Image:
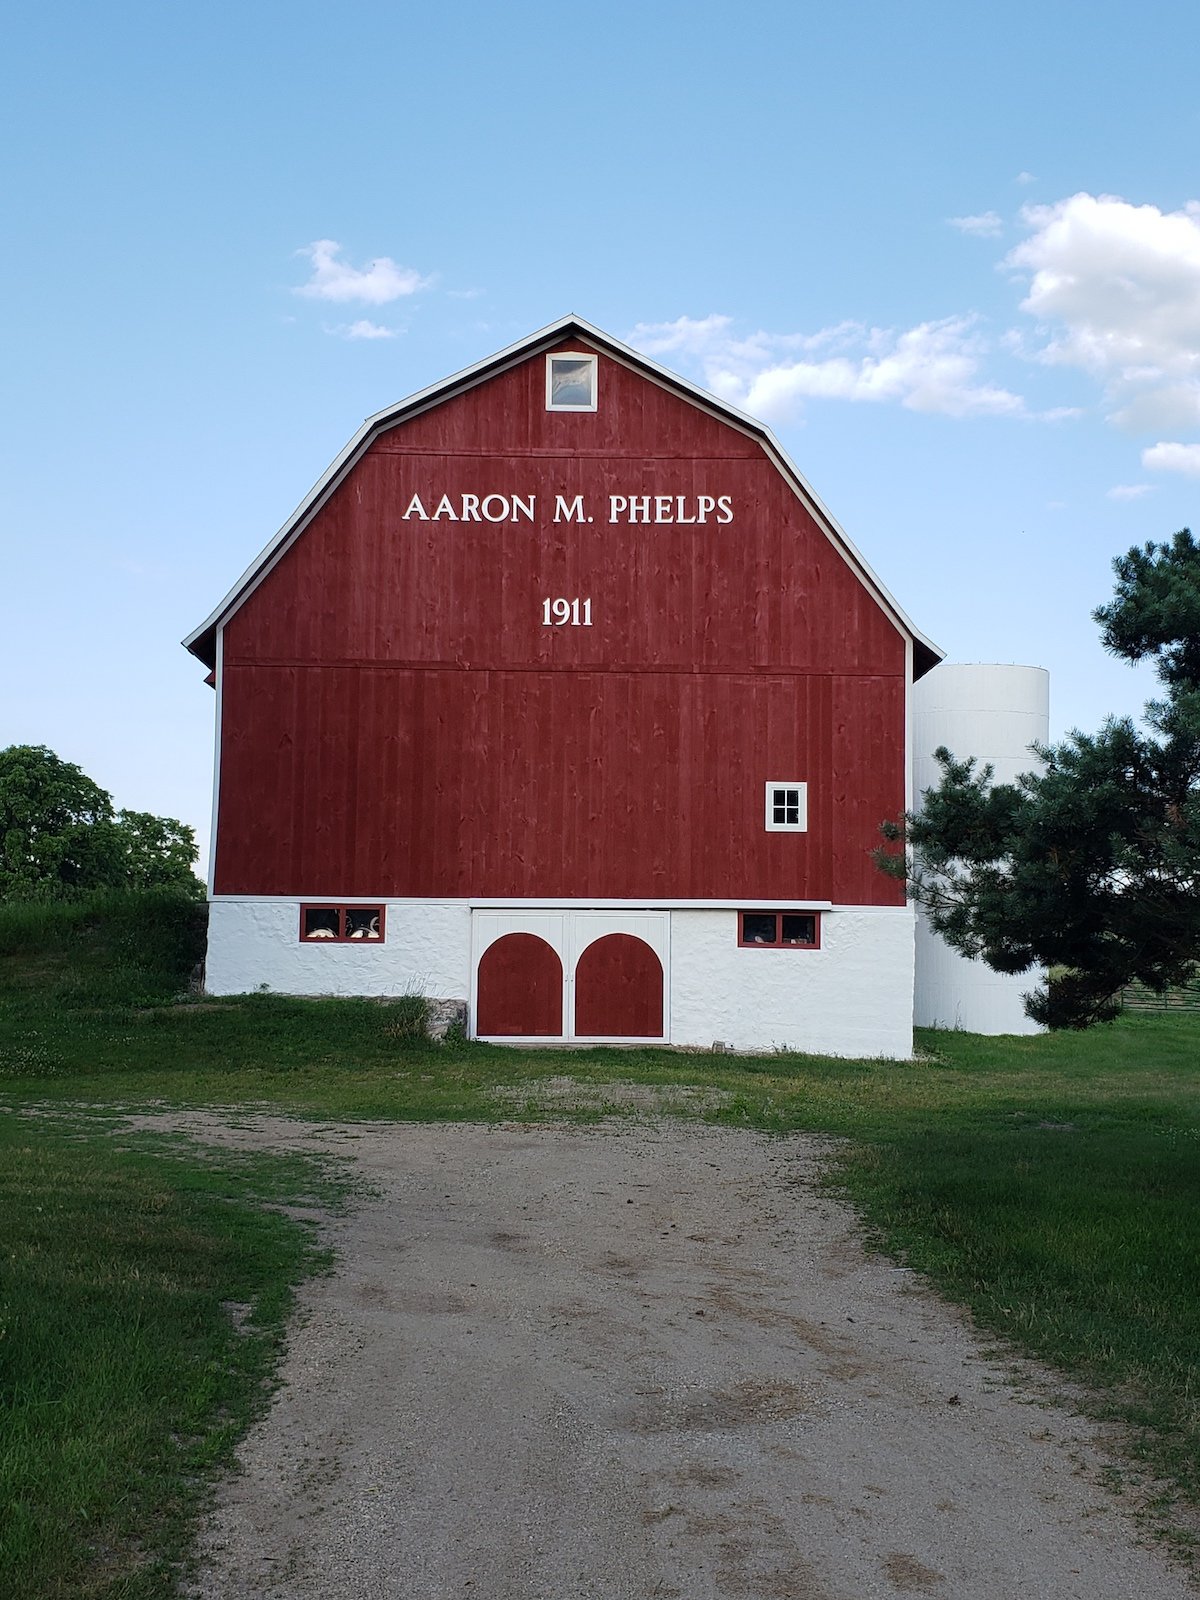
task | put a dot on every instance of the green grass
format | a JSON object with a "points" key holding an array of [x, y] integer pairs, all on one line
{"points": [[1050, 1184], [1070, 1228], [142, 1306]]}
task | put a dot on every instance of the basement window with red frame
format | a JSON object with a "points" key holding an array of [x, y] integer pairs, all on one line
{"points": [[331, 924], [779, 930]]}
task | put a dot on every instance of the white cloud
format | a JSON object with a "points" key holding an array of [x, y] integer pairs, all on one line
{"points": [[696, 335], [1024, 178], [1164, 457], [932, 367], [1129, 491], [363, 329], [1110, 289], [1116, 290], [1154, 410], [708, 338], [376, 284], [988, 225]]}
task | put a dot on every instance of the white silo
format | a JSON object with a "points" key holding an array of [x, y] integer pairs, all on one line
{"points": [[993, 713]]}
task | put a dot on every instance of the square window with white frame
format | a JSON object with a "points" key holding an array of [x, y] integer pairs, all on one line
{"points": [[571, 381], [787, 807]]}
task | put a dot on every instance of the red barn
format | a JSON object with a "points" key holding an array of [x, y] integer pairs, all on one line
{"points": [[563, 695]]}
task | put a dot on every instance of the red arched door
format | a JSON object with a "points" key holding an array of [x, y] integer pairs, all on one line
{"points": [[520, 989], [619, 990]]}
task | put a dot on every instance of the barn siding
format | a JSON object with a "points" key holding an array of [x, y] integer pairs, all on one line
{"points": [[765, 591], [397, 720], [574, 785]]}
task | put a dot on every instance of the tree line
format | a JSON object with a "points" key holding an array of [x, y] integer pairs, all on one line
{"points": [[61, 837]]}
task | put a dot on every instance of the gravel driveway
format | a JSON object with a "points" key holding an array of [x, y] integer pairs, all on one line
{"points": [[633, 1360]]}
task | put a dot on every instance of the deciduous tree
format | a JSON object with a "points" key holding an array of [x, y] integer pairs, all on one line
{"points": [[60, 837]]}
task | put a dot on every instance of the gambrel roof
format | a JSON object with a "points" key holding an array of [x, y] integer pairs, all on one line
{"points": [[202, 642]]}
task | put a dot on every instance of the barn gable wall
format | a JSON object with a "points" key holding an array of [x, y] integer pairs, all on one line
{"points": [[398, 720]]}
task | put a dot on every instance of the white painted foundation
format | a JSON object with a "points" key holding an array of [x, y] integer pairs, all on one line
{"points": [[255, 944], [851, 997]]}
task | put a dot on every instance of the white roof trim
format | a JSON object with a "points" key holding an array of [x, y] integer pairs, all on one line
{"points": [[423, 399], [534, 903]]}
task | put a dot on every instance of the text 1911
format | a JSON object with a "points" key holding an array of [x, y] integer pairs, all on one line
{"points": [[567, 613]]}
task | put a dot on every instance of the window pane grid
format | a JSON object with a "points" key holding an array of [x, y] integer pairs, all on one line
{"points": [[787, 807]]}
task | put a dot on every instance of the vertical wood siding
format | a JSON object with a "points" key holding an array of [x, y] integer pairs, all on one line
{"points": [[398, 721]]}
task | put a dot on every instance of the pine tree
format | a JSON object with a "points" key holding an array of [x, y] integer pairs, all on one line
{"points": [[1092, 866]]}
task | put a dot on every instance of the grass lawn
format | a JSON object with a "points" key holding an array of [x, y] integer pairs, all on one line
{"points": [[1050, 1184], [142, 1308]]}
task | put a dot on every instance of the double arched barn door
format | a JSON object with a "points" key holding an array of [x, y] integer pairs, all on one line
{"points": [[570, 975]]}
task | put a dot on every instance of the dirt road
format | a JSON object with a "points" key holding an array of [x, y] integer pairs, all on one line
{"points": [[641, 1360]]}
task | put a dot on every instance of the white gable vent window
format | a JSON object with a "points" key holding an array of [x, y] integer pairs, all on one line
{"points": [[571, 382], [787, 807]]}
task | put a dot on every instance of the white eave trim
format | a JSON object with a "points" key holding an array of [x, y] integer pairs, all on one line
{"points": [[500, 362], [539, 903]]}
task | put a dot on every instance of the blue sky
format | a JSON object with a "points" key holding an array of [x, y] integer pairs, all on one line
{"points": [[951, 254]]}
